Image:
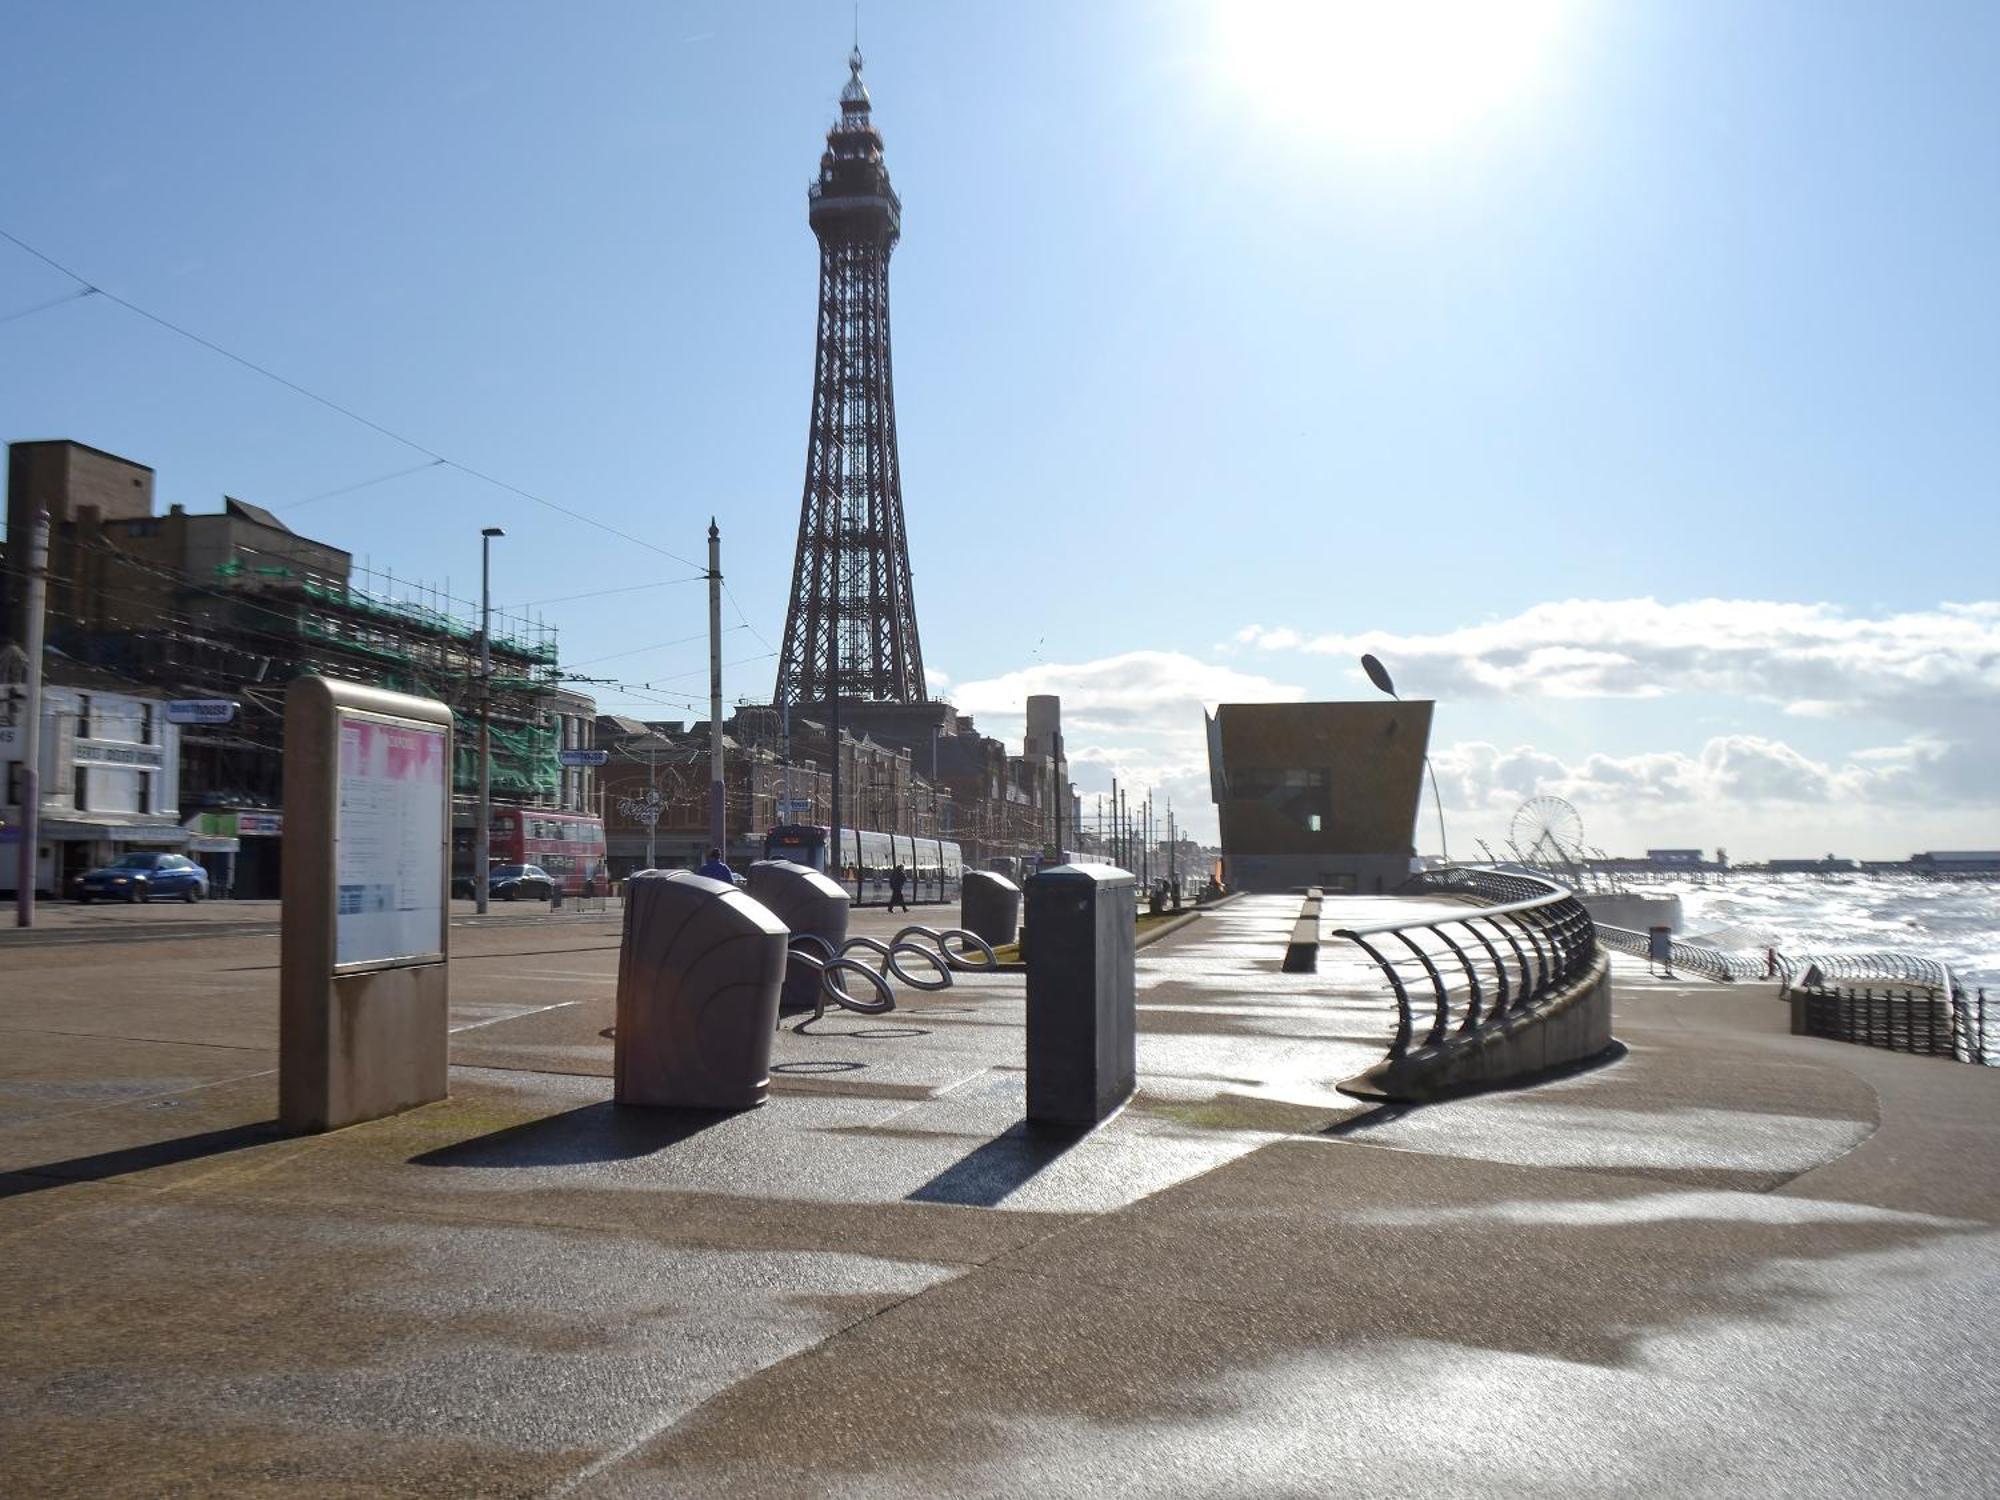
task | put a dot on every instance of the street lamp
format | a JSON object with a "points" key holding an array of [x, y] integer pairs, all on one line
{"points": [[1379, 675], [482, 837]]}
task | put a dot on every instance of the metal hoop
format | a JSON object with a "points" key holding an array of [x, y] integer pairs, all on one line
{"points": [[930, 984], [960, 959]]}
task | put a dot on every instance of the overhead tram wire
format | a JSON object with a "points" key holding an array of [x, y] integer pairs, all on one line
{"points": [[591, 661], [40, 307], [629, 588], [345, 411], [740, 615], [348, 489]]}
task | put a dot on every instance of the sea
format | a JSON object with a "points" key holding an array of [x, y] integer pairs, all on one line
{"points": [[1954, 922]]}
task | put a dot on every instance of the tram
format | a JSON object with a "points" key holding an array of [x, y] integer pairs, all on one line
{"points": [[933, 867]]}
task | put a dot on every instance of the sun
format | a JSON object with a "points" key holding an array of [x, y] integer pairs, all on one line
{"points": [[1386, 74]]}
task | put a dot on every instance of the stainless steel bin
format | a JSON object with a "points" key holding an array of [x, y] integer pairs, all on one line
{"points": [[698, 978], [810, 905], [989, 905]]}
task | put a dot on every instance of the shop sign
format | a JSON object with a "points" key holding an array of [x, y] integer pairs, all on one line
{"points": [[201, 711], [118, 753]]}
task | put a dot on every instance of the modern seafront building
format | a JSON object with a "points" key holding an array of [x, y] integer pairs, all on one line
{"points": [[1321, 794], [144, 608]]}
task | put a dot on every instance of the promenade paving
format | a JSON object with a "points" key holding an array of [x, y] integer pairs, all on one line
{"points": [[1732, 1260]]}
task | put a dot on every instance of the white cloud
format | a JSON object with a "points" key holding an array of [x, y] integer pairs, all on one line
{"points": [[1136, 716], [1137, 687], [1737, 787], [1936, 669]]}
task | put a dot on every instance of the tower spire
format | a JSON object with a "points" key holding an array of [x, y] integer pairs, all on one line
{"points": [[851, 630]]}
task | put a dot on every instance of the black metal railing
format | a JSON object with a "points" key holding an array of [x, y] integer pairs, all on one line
{"points": [[1691, 958], [1526, 939], [1929, 1022], [1850, 996]]}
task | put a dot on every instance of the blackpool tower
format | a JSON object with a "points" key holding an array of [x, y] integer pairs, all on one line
{"points": [[851, 629]]}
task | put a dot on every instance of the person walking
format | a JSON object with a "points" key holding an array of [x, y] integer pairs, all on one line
{"points": [[717, 868], [897, 879]]}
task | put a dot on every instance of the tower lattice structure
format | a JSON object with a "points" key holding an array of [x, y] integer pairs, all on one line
{"points": [[851, 629]]}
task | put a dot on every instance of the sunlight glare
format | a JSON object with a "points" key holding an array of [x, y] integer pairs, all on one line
{"points": [[1385, 74]]}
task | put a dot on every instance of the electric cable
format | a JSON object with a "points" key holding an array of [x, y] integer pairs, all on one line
{"points": [[345, 411]]}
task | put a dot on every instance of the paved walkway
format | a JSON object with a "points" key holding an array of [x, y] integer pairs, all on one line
{"points": [[1734, 1261]]}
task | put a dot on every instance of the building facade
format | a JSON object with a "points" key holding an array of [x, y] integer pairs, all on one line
{"points": [[1321, 794], [233, 605], [109, 772]]}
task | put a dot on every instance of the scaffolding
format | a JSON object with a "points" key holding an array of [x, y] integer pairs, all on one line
{"points": [[256, 621]]}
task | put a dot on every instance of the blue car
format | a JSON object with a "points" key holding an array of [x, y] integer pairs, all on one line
{"points": [[140, 877]]}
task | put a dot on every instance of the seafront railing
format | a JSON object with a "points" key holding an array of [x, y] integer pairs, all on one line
{"points": [[1881, 999], [1692, 958], [1529, 938]]}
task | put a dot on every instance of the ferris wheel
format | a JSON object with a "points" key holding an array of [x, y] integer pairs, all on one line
{"points": [[1546, 829]]}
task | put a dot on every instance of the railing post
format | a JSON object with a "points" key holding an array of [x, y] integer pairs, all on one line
{"points": [[1437, 986], [1499, 967], [1401, 1044]]}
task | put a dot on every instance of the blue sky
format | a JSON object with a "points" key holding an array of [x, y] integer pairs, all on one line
{"points": [[1207, 374]]}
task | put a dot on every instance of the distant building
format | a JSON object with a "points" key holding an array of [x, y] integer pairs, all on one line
{"points": [[110, 771], [1675, 857], [1957, 862], [234, 604], [1319, 794]]}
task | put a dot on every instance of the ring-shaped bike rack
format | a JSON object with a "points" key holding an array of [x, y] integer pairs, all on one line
{"points": [[950, 951]]}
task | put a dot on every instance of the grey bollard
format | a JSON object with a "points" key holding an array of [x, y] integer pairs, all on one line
{"points": [[1082, 1061], [809, 904], [698, 978], [989, 906]]}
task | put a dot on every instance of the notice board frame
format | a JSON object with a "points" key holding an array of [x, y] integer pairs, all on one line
{"points": [[343, 715]]}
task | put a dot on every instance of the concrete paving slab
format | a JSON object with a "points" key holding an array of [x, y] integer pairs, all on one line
{"points": [[44, 1075], [1274, 1328], [454, 1348]]}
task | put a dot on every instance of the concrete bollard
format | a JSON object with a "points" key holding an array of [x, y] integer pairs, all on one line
{"points": [[698, 979], [1082, 1059], [989, 906], [810, 905]]}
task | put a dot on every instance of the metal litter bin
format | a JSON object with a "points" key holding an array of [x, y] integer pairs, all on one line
{"points": [[698, 977], [989, 905], [810, 905], [1082, 1049]]}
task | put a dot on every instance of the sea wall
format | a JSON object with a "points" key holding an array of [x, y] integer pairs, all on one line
{"points": [[1570, 1026]]}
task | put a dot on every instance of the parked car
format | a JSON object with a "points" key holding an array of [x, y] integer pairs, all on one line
{"points": [[520, 883], [140, 877]]}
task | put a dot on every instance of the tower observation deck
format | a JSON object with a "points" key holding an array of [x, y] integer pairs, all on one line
{"points": [[851, 628]]}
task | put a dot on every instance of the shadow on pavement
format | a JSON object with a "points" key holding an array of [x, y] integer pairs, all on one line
{"points": [[129, 1159], [998, 1168], [591, 1133]]}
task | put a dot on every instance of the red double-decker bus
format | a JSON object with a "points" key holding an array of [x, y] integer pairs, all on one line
{"points": [[570, 846]]}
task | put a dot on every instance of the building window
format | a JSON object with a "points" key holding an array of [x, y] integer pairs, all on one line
{"points": [[83, 717], [146, 724], [145, 792], [77, 785]]}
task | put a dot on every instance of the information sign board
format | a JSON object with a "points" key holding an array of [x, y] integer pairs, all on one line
{"points": [[389, 842], [201, 710], [583, 757]]}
